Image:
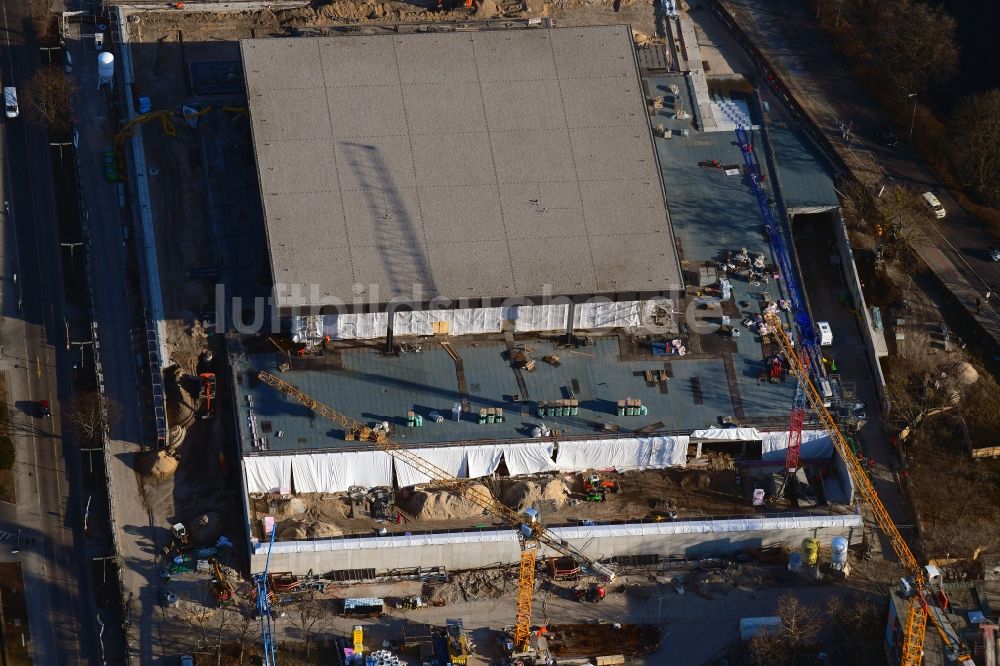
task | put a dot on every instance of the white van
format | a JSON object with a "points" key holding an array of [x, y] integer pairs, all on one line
{"points": [[10, 102], [825, 333], [931, 201]]}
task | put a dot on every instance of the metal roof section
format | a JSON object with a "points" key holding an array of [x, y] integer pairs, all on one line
{"points": [[476, 164], [806, 176]]}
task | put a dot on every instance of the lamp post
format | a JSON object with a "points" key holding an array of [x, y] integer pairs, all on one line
{"points": [[913, 117]]}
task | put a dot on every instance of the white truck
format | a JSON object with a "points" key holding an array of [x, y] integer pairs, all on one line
{"points": [[10, 102]]}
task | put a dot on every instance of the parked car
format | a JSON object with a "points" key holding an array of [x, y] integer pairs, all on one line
{"points": [[994, 254], [825, 333], [187, 660], [932, 203]]}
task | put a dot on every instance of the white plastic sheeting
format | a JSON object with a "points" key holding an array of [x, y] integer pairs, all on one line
{"points": [[815, 444], [538, 317], [450, 459], [603, 314], [551, 317], [669, 451], [317, 472], [727, 435], [622, 454], [483, 460], [361, 326], [268, 474], [528, 458]]}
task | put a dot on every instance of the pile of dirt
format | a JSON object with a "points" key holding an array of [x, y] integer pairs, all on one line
{"points": [[185, 345], [472, 585], [301, 529], [442, 505], [158, 465], [698, 480], [521, 495], [720, 462]]}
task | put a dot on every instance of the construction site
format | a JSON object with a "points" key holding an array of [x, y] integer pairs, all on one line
{"points": [[514, 295]]}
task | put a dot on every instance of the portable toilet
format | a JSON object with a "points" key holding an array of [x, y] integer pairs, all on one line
{"points": [[810, 551]]}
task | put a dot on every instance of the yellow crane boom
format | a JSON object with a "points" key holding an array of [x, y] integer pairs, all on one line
{"points": [[530, 531], [916, 618]]}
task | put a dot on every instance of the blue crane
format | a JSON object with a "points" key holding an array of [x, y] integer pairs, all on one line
{"points": [[807, 330], [264, 607]]}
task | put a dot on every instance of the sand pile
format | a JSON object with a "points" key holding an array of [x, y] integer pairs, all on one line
{"points": [[300, 529], [521, 495], [443, 505], [160, 466]]}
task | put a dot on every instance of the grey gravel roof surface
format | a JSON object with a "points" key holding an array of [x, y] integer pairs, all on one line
{"points": [[477, 164]]}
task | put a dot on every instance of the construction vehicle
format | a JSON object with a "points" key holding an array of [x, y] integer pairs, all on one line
{"points": [[923, 585], [593, 593], [223, 589], [458, 642], [180, 541], [531, 533], [593, 483], [207, 395]]}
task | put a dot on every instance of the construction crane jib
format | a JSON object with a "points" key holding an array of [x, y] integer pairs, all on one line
{"points": [[530, 531], [923, 603]]}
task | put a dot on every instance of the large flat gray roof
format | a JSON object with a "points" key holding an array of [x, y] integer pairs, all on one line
{"points": [[477, 164]]}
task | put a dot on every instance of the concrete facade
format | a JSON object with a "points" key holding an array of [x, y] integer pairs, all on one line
{"points": [[469, 550]]}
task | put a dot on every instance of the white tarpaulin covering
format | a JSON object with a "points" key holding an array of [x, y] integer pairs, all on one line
{"points": [[268, 474], [622, 454], [727, 435], [450, 459], [361, 326], [815, 444], [483, 460], [669, 451], [538, 317], [552, 317], [602, 314], [528, 458], [336, 472]]}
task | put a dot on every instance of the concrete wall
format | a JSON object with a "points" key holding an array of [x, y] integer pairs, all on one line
{"points": [[853, 283], [467, 550]]}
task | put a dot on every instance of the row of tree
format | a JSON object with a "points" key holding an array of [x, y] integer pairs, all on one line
{"points": [[914, 45]]}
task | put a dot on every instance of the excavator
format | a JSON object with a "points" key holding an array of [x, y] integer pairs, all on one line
{"points": [[922, 585], [531, 532]]}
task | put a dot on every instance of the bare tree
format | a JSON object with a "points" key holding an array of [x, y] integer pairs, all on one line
{"points": [[245, 632], [88, 413], [858, 627], [44, 22], [915, 43], [310, 618], [975, 131], [47, 98], [795, 635]]}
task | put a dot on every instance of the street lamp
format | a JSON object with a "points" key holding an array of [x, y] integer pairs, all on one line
{"points": [[913, 118]]}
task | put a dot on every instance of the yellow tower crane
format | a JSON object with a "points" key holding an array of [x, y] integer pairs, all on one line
{"points": [[923, 601], [531, 532]]}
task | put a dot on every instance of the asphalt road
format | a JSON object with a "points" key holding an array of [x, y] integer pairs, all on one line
{"points": [[48, 511], [787, 33]]}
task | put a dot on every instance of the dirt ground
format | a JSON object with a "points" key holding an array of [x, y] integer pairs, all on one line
{"points": [[15, 614], [691, 493], [956, 498]]}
